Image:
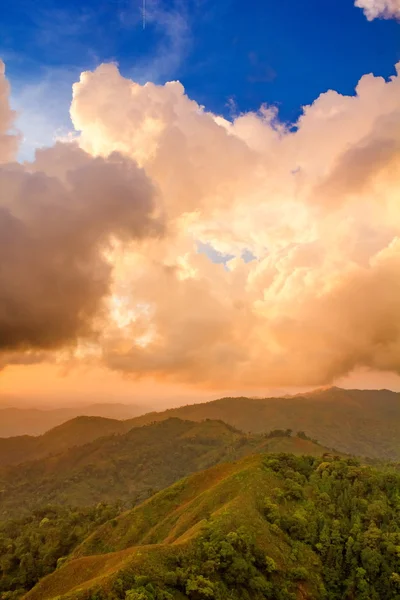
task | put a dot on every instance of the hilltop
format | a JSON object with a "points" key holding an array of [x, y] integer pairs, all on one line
{"points": [[131, 466], [274, 526], [16, 422], [76, 432], [360, 422]]}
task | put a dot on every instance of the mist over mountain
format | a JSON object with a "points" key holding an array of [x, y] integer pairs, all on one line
{"points": [[35, 421], [75, 432]]}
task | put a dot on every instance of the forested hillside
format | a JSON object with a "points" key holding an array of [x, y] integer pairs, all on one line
{"points": [[97, 521], [360, 422], [271, 527], [132, 466]]}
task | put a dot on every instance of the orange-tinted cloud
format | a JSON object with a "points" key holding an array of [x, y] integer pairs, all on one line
{"points": [[316, 206], [58, 216]]}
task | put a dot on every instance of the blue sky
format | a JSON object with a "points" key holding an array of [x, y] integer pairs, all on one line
{"points": [[231, 56]]}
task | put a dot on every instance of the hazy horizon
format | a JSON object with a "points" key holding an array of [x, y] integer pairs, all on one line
{"points": [[149, 401]]}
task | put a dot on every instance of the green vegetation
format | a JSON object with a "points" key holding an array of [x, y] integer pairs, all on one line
{"points": [[272, 516], [349, 515], [277, 527], [33, 547], [359, 422], [76, 432], [132, 466], [364, 423]]}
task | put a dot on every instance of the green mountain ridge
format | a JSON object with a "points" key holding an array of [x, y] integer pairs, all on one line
{"points": [[275, 527], [130, 466], [360, 422], [322, 526]]}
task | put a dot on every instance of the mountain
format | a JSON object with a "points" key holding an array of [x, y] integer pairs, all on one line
{"points": [[266, 527], [76, 432], [360, 422], [131, 466], [33, 421], [364, 423]]}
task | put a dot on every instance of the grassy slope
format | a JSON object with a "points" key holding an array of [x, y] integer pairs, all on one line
{"points": [[361, 422], [130, 466], [146, 538]]}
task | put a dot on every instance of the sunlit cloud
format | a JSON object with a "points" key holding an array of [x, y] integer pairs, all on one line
{"points": [[306, 218]]}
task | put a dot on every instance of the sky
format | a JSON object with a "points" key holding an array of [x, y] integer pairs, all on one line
{"points": [[230, 57], [198, 198]]}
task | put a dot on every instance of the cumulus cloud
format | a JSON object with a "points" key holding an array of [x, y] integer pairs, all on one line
{"points": [[59, 216], [315, 206], [380, 9]]}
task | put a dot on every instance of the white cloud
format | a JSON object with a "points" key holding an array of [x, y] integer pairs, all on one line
{"points": [[8, 139], [380, 9], [42, 103]]}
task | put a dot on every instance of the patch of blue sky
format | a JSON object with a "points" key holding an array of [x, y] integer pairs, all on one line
{"points": [[219, 257]]}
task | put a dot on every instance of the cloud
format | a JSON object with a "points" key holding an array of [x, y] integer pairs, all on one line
{"points": [[43, 98], [8, 139], [380, 9], [59, 215], [315, 206]]}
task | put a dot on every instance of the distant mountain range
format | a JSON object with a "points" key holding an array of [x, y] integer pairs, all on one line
{"points": [[34, 421], [360, 422], [76, 432]]}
